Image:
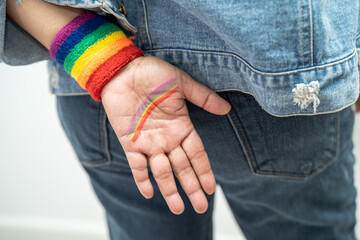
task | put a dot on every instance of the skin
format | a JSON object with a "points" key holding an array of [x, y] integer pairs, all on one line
{"points": [[152, 101], [169, 143]]}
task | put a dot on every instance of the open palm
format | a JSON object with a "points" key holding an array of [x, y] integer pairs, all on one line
{"points": [[145, 104]]}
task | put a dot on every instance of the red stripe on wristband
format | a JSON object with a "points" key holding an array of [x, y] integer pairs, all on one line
{"points": [[109, 68]]}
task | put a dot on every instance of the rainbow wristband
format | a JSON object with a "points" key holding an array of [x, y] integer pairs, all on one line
{"points": [[92, 50]]}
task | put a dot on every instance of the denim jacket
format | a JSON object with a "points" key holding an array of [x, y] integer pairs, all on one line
{"points": [[276, 50]]}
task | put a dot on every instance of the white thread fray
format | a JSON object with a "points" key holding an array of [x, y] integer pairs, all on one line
{"points": [[305, 94]]}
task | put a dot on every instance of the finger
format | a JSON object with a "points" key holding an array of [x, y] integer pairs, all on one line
{"points": [[188, 180], [199, 160], [203, 97], [163, 175], [138, 165]]}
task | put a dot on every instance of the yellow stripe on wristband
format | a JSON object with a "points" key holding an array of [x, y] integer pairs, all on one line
{"points": [[92, 49], [81, 62], [97, 58]]}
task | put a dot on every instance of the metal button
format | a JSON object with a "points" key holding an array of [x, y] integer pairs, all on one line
{"points": [[122, 9]]}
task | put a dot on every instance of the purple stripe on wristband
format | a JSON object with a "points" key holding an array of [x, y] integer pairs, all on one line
{"points": [[67, 30]]}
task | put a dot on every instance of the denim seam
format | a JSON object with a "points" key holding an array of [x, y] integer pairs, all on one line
{"points": [[288, 115], [311, 34], [302, 34], [233, 55], [107, 7], [294, 175], [241, 139], [147, 25], [103, 141], [315, 171], [104, 133]]}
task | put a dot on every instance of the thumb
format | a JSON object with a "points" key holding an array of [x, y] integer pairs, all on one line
{"points": [[203, 96]]}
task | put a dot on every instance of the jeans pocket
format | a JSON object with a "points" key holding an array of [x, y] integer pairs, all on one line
{"points": [[85, 124], [297, 147]]}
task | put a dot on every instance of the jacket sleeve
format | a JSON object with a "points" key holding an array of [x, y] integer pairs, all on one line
{"points": [[17, 47]]}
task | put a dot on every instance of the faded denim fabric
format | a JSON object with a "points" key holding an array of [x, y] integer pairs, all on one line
{"points": [[284, 178], [264, 48]]}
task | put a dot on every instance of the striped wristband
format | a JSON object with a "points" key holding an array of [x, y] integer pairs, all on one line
{"points": [[92, 50]]}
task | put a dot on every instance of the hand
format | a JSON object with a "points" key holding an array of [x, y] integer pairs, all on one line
{"points": [[162, 134]]}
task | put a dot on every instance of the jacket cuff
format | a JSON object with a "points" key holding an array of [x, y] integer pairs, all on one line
{"points": [[17, 47]]}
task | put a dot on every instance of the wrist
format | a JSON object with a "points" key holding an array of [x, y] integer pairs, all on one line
{"points": [[92, 50], [121, 76]]}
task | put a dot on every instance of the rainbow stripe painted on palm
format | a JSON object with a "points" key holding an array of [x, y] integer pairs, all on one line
{"points": [[157, 96]]}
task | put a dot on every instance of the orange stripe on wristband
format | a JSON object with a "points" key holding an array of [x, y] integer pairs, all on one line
{"points": [[90, 52], [99, 58]]}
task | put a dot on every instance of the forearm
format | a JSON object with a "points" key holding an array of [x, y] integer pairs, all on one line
{"points": [[91, 48], [40, 19]]}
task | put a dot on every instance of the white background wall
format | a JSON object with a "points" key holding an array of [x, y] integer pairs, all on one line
{"points": [[44, 193]]}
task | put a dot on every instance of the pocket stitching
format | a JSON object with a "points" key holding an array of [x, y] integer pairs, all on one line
{"points": [[103, 141], [104, 133], [241, 139], [258, 172]]}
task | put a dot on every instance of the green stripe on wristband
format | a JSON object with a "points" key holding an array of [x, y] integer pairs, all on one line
{"points": [[101, 33]]}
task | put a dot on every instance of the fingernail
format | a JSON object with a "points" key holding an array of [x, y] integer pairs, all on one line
{"points": [[176, 204]]}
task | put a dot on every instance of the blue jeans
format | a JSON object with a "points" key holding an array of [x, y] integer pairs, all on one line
{"points": [[284, 178]]}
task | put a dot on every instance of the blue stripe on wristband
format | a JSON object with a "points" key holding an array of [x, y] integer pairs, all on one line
{"points": [[78, 35]]}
